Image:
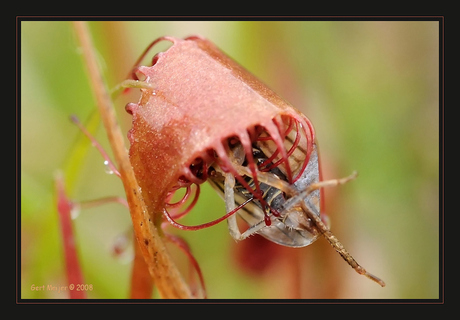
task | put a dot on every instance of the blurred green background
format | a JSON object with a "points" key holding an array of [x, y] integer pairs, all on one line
{"points": [[371, 89]]}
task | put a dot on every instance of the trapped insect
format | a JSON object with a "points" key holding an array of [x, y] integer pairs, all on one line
{"points": [[202, 117], [289, 228]]}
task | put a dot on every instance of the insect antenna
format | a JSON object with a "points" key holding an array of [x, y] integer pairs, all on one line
{"points": [[312, 213], [337, 245]]}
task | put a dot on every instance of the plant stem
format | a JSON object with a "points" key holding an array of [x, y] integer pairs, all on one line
{"points": [[141, 281], [72, 264], [162, 269]]}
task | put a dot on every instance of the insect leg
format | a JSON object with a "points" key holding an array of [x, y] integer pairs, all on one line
{"points": [[253, 229], [268, 178], [314, 186], [333, 182], [228, 164], [230, 206]]}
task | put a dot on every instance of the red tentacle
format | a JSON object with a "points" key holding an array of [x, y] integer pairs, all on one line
{"points": [[290, 152], [226, 165], [180, 202], [181, 244], [310, 140], [274, 129], [269, 161], [204, 225], [183, 200], [133, 74]]}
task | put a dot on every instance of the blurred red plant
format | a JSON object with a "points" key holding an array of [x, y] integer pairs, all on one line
{"points": [[72, 264]]}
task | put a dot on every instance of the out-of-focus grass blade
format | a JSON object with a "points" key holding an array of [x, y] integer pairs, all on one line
{"points": [[75, 160]]}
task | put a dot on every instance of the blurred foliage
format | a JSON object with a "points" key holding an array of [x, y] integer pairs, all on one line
{"points": [[370, 89]]}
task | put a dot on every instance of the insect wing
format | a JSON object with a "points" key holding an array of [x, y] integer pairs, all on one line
{"points": [[309, 176], [282, 230]]}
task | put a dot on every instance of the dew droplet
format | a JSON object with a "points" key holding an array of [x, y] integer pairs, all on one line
{"points": [[75, 211], [108, 170]]}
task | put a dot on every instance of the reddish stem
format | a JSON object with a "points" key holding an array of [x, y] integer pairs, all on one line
{"points": [[73, 270], [161, 267], [141, 280]]}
